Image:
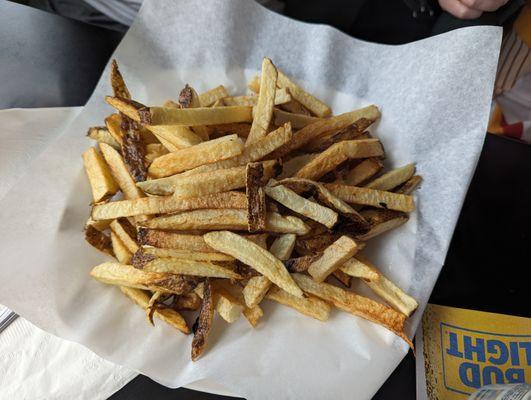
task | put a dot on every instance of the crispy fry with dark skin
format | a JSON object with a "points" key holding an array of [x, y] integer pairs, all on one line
{"points": [[99, 240], [256, 204], [350, 132], [117, 82], [203, 324], [301, 264], [134, 150], [140, 259]]}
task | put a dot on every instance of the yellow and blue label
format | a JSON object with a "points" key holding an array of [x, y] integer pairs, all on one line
{"points": [[465, 350]]}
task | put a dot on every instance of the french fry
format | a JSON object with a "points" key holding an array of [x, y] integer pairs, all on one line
{"points": [[300, 205], [188, 301], [297, 121], [187, 254], [351, 132], [409, 186], [188, 98], [112, 123], [313, 104], [194, 116], [121, 252], [338, 153], [209, 97], [194, 156], [319, 128], [372, 197], [263, 111], [282, 96], [208, 219], [173, 240], [343, 278], [120, 172], [133, 150], [119, 230], [100, 225], [226, 305], [358, 269], [175, 137], [119, 87], [254, 256], [387, 290], [362, 172], [333, 257], [295, 107], [154, 150], [190, 267], [301, 264], [98, 240], [392, 179], [256, 205], [204, 321], [99, 176], [355, 304], [252, 314], [381, 221], [126, 275], [283, 245], [254, 84], [102, 134], [170, 316], [293, 165], [240, 129], [309, 305]]}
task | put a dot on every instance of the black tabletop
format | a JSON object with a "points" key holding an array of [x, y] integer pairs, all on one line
{"points": [[58, 62]]}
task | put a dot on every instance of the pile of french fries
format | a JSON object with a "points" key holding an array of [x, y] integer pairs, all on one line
{"points": [[214, 203]]}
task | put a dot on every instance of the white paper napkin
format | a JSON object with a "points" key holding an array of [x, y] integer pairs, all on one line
{"points": [[435, 99]]}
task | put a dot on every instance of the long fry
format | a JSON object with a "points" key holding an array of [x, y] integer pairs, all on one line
{"points": [[393, 178], [190, 267], [333, 257], [372, 197], [120, 172], [102, 183]]}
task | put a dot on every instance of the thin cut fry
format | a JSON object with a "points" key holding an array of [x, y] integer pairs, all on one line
{"points": [[188, 98], [254, 190], [281, 97], [319, 128], [227, 306], [209, 97], [113, 125], [313, 104], [126, 275], [190, 267], [102, 134], [120, 172], [98, 240], [166, 205], [381, 221], [309, 305], [410, 186], [372, 197], [175, 137], [283, 245], [172, 240], [194, 116], [358, 269], [293, 165], [119, 230], [361, 172], [295, 107], [333, 257], [154, 150], [355, 304], [119, 87], [168, 315], [204, 322], [254, 256], [100, 179], [208, 219], [133, 150], [241, 129], [338, 153], [300, 205], [353, 131], [194, 156], [392, 179], [252, 314], [387, 290], [187, 254], [266, 100], [121, 252], [297, 121]]}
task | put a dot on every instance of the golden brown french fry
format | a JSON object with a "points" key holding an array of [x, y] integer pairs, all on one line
{"points": [[225, 219], [381, 221], [387, 290], [112, 123], [194, 156], [204, 321], [209, 97], [119, 230], [126, 275], [372, 197], [281, 97], [297, 121], [98, 240], [194, 116], [121, 252], [355, 304], [172, 240], [226, 305], [99, 225], [293, 165], [120, 172], [362, 172], [351, 132], [119, 87], [187, 254], [166, 205], [99, 176], [333, 257], [295, 107], [168, 315], [102, 134], [254, 256], [337, 154], [154, 150], [359, 269], [410, 186], [252, 314], [392, 179], [313, 104], [254, 191], [283, 245], [188, 98], [319, 128], [190, 267], [263, 111], [309, 305], [300, 205]]}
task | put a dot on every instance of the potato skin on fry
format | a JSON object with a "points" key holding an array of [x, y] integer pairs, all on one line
{"points": [[204, 322]]}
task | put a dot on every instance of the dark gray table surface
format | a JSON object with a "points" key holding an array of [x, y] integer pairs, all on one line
{"points": [[58, 62]]}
